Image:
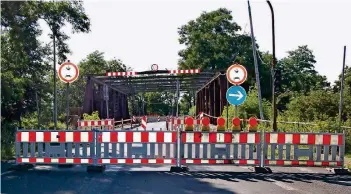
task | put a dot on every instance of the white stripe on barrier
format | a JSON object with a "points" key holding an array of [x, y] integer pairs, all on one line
{"points": [[136, 137], [152, 137], [106, 137], [251, 138], [84, 137], [121, 137], [69, 136], [54, 136], [303, 139], [334, 140], [167, 137], [288, 138]]}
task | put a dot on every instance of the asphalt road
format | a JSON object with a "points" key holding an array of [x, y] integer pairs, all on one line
{"points": [[158, 179]]}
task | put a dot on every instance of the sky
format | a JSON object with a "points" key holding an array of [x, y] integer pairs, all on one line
{"points": [[141, 33]]}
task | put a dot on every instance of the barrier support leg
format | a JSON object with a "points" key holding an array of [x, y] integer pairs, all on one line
{"points": [[262, 168], [179, 167], [96, 153], [342, 170]]}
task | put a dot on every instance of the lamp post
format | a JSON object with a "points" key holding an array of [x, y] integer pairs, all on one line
{"points": [[274, 62]]}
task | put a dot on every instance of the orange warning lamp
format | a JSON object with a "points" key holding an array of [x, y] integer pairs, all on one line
{"points": [[236, 124], [253, 123], [189, 124], [220, 124], [205, 124]]}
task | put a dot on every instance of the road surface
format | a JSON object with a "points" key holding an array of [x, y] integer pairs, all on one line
{"points": [[158, 179]]}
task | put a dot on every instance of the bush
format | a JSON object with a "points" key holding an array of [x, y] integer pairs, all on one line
{"points": [[93, 116]]}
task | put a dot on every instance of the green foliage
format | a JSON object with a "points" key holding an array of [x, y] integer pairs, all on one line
{"points": [[94, 116], [192, 111], [158, 102]]}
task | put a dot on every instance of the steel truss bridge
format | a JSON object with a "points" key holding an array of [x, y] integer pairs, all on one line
{"points": [[109, 93]]}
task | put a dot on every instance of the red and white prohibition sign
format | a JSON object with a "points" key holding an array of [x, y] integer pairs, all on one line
{"points": [[236, 74], [68, 72]]}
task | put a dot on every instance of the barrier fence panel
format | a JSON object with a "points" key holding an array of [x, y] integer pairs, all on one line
{"points": [[54, 147], [304, 149], [136, 147], [240, 148]]}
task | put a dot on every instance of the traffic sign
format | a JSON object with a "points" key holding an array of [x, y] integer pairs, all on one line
{"points": [[236, 95], [68, 72], [154, 67], [236, 74]]}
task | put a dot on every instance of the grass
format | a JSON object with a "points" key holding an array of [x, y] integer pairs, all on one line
{"points": [[348, 161]]}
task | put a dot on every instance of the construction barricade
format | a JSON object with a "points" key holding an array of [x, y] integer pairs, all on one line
{"points": [[106, 124], [134, 147], [54, 147], [220, 148], [181, 147], [304, 149]]}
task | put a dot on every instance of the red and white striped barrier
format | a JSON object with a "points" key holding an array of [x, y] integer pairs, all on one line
{"points": [[214, 137], [144, 122], [95, 123], [56, 160], [219, 161], [137, 137], [184, 71], [310, 139], [136, 161], [301, 163], [127, 73], [59, 136]]}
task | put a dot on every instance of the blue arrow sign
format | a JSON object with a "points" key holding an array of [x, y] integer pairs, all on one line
{"points": [[236, 95]]}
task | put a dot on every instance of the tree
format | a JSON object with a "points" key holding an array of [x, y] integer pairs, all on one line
{"points": [[25, 60], [297, 75], [213, 41]]}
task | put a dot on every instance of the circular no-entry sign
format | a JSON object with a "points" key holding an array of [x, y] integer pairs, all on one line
{"points": [[236, 74], [154, 67], [68, 72]]}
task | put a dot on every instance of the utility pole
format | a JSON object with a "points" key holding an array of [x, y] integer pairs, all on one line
{"points": [[274, 63], [342, 86], [55, 90], [256, 65]]}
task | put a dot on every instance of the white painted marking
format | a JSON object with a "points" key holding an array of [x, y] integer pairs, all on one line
{"points": [[305, 170], [283, 185], [8, 172]]}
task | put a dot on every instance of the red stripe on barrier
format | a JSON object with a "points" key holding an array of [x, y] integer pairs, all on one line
{"points": [[338, 163], [145, 161], [144, 137], [212, 161], [62, 160], [212, 138], [129, 137], [76, 137], [280, 162], [47, 136], [32, 136], [174, 137], [197, 137], [113, 137], [311, 139], [129, 161], [62, 137], [197, 161], [77, 160], [243, 138], [295, 163], [183, 137], [228, 138], [257, 138], [160, 137], [113, 161], [326, 139], [19, 136], [243, 162], [310, 163], [340, 139], [48, 160], [85, 123], [281, 138], [32, 160], [268, 138], [296, 139]]}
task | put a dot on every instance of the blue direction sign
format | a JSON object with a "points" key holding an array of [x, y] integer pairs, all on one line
{"points": [[236, 95]]}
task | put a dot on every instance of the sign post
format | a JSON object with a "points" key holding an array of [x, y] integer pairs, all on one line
{"points": [[68, 73]]}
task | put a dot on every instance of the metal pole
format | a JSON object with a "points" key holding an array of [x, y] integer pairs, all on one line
{"points": [[256, 66], [227, 108], [38, 111], [178, 128], [67, 105], [342, 87], [55, 92], [274, 62]]}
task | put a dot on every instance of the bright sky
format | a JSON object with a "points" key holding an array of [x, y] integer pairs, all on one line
{"points": [[141, 33]]}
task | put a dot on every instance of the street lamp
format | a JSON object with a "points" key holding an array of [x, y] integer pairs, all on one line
{"points": [[274, 62]]}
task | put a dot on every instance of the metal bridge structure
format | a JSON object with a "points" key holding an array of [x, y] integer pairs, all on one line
{"points": [[113, 94]]}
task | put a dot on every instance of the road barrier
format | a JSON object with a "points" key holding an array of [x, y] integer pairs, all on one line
{"points": [[96, 124], [181, 147]]}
